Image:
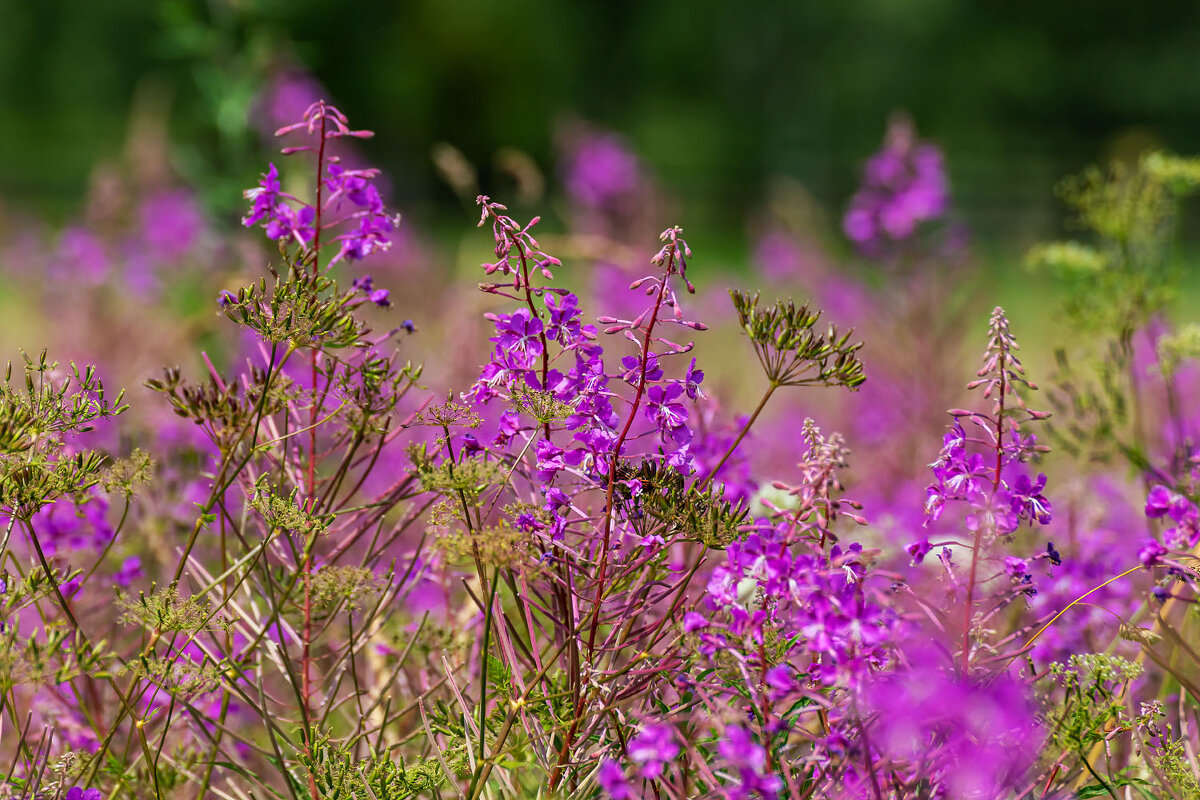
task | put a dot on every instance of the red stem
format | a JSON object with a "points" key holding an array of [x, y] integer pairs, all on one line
{"points": [[966, 638], [612, 462], [306, 653], [608, 511], [533, 310]]}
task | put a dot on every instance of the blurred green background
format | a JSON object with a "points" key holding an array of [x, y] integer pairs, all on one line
{"points": [[717, 97]]}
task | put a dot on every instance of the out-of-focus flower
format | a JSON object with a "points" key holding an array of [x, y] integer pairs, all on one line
{"points": [[79, 793], [967, 739], [1151, 553], [170, 224], [612, 780], [904, 185], [81, 255], [600, 170], [652, 749], [1162, 502], [130, 571]]}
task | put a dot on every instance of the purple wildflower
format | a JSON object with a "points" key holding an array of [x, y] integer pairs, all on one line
{"points": [[904, 185], [692, 381], [1161, 501], [1016, 568], [270, 206], [1151, 553], [79, 793], [380, 297], [1028, 500], [652, 749], [612, 780], [667, 413], [601, 171], [918, 550], [130, 571]]}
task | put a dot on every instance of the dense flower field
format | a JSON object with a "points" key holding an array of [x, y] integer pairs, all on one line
{"points": [[578, 525]]}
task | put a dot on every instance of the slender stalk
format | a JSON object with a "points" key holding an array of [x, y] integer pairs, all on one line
{"points": [[226, 477], [532, 310], [616, 455], [484, 768], [741, 434], [83, 639], [568, 740], [487, 631], [969, 606], [1068, 607], [311, 487]]}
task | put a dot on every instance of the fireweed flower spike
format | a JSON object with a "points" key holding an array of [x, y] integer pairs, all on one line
{"points": [[794, 624], [347, 203], [578, 430], [352, 384], [981, 465]]}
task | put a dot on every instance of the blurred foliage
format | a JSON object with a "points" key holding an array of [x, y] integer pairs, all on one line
{"points": [[717, 96]]}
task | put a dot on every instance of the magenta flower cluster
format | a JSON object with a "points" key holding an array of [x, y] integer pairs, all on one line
{"points": [[560, 355], [351, 209], [601, 171], [987, 486], [1183, 535], [904, 186]]}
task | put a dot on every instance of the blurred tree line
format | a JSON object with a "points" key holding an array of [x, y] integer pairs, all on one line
{"points": [[717, 96]]}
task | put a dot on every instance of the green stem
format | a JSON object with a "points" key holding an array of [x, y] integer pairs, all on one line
{"points": [[82, 637], [741, 435], [483, 670]]}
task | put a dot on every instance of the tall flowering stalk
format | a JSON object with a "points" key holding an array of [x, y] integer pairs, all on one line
{"points": [[672, 259], [346, 201], [548, 366], [981, 469], [256, 422]]}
